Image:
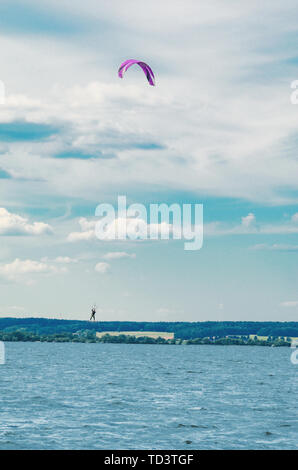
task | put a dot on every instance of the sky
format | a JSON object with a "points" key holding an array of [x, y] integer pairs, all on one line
{"points": [[218, 129]]}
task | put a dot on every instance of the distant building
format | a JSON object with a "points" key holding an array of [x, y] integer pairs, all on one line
{"points": [[138, 334]]}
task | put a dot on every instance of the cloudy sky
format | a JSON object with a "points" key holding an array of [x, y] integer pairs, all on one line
{"points": [[219, 129]]}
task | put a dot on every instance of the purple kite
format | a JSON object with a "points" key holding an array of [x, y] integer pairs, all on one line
{"points": [[146, 69]]}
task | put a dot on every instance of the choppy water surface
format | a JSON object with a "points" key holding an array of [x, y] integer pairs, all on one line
{"points": [[121, 396]]}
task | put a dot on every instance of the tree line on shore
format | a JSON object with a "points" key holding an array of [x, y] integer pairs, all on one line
{"points": [[181, 330], [87, 336]]}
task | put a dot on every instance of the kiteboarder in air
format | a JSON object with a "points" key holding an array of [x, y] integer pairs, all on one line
{"points": [[93, 312]]}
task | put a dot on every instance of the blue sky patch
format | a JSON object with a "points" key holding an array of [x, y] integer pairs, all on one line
{"points": [[149, 146], [4, 175], [19, 18], [81, 155], [19, 131]]}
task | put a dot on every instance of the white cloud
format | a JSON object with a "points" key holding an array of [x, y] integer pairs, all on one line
{"points": [[249, 220], [21, 270], [135, 228], [290, 303], [60, 260], [22, 101], [275, 247], [220, 115], [65, 260], [295, 218], [250, 226], [118, 255], [102, 267], [87, 231], [81, 236], [13, 224], [214, 152], [86, 224]]}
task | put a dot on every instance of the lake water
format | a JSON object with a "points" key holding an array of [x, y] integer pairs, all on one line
{"points": [[126, 396]]}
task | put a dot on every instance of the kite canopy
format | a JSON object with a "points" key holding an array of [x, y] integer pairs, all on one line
{"points": [[146, 69]]}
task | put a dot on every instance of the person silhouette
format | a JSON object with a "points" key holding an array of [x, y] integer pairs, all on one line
{"points": [[93, 312]]}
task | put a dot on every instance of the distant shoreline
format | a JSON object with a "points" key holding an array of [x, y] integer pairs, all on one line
{"points": [[181, 329], [205, 332], [23, 336]]}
